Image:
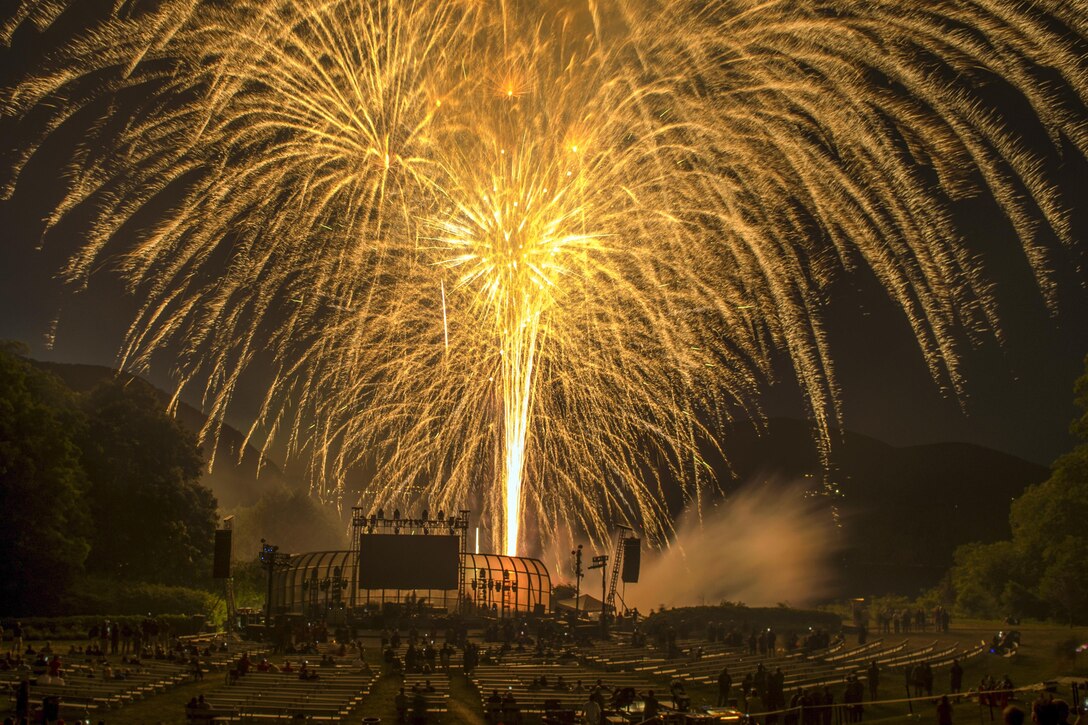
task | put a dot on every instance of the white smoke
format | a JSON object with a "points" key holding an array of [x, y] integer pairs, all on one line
{"points": [[764, 545]]}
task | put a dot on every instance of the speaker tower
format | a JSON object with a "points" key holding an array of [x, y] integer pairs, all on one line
{"points": [[221, 559], [632, 555]]}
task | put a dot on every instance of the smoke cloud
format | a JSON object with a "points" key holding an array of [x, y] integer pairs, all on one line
{"points": [[292, 519], [764, 545]]}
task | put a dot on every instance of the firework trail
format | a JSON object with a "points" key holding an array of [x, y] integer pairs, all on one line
{"points": [[537, 254]]}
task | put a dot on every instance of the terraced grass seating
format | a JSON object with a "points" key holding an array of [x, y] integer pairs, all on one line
{"points": [[961, 654], [738, 666], [270, 696], [85, 691], [914, 656], [622, 656], [438, 699], [855, 653], [517, 681], [801, 670]]}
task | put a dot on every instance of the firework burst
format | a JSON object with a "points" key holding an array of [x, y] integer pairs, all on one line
{"points": [[536, 254]]}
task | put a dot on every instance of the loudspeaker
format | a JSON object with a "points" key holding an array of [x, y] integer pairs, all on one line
{"points": [[632, 556], [221, 560], [538, 610]]}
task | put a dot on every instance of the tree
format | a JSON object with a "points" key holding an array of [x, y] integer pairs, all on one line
{"points": [[1064, 583], [153, 521], [43, 539], [980, 575], [1043, 569]]}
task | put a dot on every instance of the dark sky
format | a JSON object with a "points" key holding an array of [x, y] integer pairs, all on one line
{"points": [[1018, 397]]}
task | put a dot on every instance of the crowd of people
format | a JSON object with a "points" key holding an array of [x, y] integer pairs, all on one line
{"points": [[896, 621], [113, 650]]}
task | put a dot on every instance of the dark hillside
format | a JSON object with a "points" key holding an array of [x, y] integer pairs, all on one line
{"points": [[903, 509], [234, 482]]}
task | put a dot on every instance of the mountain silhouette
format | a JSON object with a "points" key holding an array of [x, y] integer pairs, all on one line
{"points": [[903, 510]]}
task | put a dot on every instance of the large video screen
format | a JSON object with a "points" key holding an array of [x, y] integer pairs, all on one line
{"points": [[391, 561]]}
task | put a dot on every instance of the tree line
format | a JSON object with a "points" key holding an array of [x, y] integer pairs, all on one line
{"points": [[98, 489], [1042, 570]]}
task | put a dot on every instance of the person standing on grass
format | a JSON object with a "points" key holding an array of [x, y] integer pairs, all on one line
{"points": [[944, 711], [650, 706], [419, 708], [591, 710], [22, 700], [956, 676], [401, 703], [725, 684]]}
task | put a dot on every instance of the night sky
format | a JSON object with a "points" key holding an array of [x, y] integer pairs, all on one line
{"points": [[1019, 396]]}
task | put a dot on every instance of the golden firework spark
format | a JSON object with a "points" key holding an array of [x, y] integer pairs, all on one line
{"points": [[535, 254]]}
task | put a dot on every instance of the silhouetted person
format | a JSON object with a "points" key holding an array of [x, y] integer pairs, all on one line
{"points": [[651, 706], [419, 708], [1012, 715], [725, 684], [944, 711], [1044, 712], [22, 700], [401, 703], [828, 702], [956, 676]]}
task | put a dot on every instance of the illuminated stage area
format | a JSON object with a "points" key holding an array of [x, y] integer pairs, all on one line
{"points": [[420, 561], [496, 584]]}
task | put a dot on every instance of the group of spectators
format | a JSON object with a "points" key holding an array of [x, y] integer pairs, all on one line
{"points": [[917, 620], [600, 700], [244, 664], [414, 709]]}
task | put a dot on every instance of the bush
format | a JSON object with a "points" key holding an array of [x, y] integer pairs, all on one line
{"points": [[77, 627], [94, 595]]}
